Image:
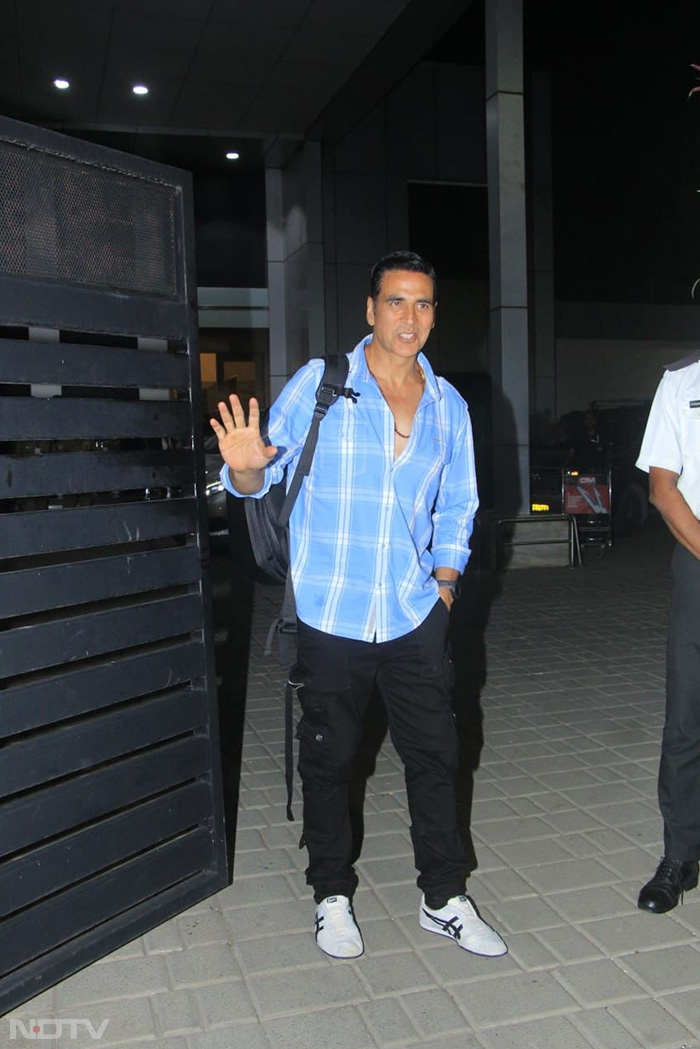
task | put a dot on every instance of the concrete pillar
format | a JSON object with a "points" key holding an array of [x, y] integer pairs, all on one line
{"points": [[542, 329], [295, 263], [508, 323]]}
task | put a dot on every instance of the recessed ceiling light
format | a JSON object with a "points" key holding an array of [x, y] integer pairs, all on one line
{"points": [[61, 84], [232, 156], [140, 89]]}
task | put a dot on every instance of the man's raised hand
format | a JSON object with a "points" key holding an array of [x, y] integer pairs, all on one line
{"points": [[241, 446]]}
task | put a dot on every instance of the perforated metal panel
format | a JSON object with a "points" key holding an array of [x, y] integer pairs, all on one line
{"points": [[67, 220], [111, 814]]}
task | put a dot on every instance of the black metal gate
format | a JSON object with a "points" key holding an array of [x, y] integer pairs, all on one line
{"points": [[111, 816]]}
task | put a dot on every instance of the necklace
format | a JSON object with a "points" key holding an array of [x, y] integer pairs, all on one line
{"points": [[421, 376]]}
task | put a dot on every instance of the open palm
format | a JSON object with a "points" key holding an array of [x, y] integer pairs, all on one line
{"points": [[240, 444]]}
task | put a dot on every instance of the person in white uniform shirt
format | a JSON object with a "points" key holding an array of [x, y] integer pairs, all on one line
{"points": [[670, 453]]}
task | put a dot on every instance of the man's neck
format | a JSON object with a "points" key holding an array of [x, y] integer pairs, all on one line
{"points": [[389, 369]]}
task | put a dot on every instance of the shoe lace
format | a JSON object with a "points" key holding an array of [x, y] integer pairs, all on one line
{"points": [[337, 916], [669, 871]]}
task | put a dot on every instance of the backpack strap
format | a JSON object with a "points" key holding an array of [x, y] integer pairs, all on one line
{"points": [[330, 389]]}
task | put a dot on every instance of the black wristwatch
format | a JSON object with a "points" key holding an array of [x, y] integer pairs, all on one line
{"points": [[449, 584]]}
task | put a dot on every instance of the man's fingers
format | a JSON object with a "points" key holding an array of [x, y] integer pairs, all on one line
{"points": [[253, 414], [237, 409], [225, 417], [217, 428], [270, 451]]}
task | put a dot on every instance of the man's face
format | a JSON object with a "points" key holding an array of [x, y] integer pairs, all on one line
{"points": [[403, 313]]}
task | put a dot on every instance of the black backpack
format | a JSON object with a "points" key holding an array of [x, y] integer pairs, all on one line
{"points": [[268, 517]]}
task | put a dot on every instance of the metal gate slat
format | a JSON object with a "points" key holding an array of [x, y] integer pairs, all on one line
{"points": [[58, 586], [55, 920], [55, 808], [79, 745], [94, 471], [72, 418], [49, 531], [41, 645], [33, 704], [81, 365], [52, 867]]}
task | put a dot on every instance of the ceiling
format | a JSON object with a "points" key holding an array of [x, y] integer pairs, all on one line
{"points": [[263, 70]]}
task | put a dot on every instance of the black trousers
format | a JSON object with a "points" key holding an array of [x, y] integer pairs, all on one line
{"points": [[679, 771], [413, 675]]}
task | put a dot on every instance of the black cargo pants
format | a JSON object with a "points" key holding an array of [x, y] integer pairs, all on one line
{"points": [[335, 678]]}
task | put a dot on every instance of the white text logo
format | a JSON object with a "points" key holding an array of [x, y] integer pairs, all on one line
{"points": [[50, 1030]]}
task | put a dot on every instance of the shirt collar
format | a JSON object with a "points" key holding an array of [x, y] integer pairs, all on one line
{"points": [[359, 371]]}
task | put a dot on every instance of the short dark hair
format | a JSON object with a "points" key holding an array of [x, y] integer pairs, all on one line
{"points": [[400, 260]]}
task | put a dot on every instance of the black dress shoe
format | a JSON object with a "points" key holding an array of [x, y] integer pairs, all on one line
{"points": [[666, 888]]}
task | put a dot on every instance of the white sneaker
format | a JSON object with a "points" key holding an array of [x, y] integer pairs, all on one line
{"points": [[459, 919], [336, 931]]}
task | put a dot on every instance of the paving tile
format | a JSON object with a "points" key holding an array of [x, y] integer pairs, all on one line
{"points": [[526, 829], [507, 885], [685, 1006], [225, 1003], [604, 1031], [568, 944], [244, 1036], [434, 1012], [598, 983], [388, 1022], [176, 1012], [395, 975], [568, 874], [552, 1033], [265, 920], [522, 854], [342, 1028], [669, 969], [202, 965], [250, 891], [513, 998], [383, 936], [524, 915], [584, 904], [652, 1024], [205, 927], [301, 991], [634, 932], [163, 939], [284, 951], [529, 952], [118, 979], [130, 1020]]}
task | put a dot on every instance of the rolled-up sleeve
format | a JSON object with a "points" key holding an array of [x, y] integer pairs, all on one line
{"points": [[288, 424], [457, 503]]}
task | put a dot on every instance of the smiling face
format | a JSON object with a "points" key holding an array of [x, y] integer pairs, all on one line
{"points": [[403, 314]]}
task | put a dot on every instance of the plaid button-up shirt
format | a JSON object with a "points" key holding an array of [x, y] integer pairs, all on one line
{"points": [[367, 530]]}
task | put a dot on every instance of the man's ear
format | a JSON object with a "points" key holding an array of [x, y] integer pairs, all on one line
{"points": [[370, 311], [434, 314]]}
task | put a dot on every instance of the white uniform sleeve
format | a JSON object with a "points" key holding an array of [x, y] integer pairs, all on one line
{"points": [[661, 445]]}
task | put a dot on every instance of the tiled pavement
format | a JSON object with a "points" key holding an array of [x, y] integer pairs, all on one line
{"points": [[565, 827]]}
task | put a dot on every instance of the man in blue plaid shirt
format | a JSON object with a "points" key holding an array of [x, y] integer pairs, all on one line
{"points": [[378, 538]]}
